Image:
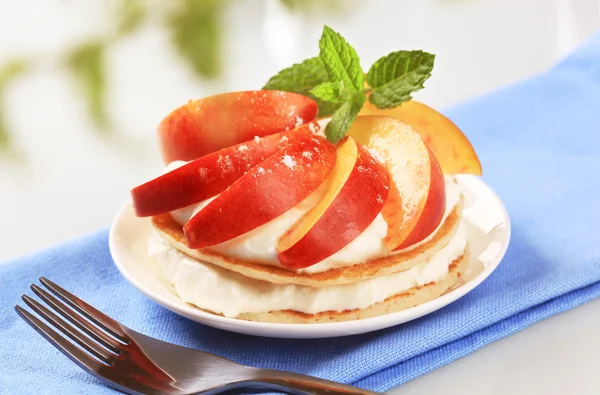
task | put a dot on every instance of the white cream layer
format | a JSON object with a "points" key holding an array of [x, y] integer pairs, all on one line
{"points": [[231, 294], [260, 244]]}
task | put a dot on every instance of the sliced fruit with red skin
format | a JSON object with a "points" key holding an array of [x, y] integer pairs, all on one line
{"points": [[433, 211], [210, 175], [265, 192], [216, 122], [417, 185], [346, 155], [358, 187], [451, 147]]}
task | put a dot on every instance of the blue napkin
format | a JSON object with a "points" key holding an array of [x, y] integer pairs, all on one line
{"points": [[539, 142]]}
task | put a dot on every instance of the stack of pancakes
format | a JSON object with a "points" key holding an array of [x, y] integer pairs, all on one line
{"points": [[172, 233]]}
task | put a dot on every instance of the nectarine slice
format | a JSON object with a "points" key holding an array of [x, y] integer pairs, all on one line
{"points": [[345, 159], [211, 174], [357, 189], [265, 192], [216, 122], [417, 188], [451, 147], [434, 208]]}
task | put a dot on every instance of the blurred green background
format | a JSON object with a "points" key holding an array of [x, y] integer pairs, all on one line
{"points": [[194, 27]]}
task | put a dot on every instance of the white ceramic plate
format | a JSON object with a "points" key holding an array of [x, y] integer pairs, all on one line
{"points": [[488, 228]]}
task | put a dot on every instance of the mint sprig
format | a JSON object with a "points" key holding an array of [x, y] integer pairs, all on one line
{"points": [[300, 77], [329, 91], [395, 76], [334, 92], [346, 84], [340, 60], [336, 80], [343, 117]]}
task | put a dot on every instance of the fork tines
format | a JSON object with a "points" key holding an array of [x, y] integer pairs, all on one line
{"points": [[95, 332]]}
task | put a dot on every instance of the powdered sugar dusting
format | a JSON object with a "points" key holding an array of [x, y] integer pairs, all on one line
{"points": [[379, 199], [283, 139], [312, 128], [410, 198], [288, 161], [307, 154], [225, 164], [375, 155], [257, 139], [243, 148], [411, 191], [259, 171], [299, 121]]}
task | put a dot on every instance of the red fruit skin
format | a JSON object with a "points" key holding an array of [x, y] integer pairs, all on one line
{"points": [[433, 211], [262, 194], [360, 200], [216, 122], [211, 174]]}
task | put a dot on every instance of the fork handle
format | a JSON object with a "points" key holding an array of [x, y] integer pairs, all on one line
{"points": [[302, 384]]}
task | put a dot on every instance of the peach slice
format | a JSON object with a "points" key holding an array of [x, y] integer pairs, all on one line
{"points": [[357, 188], [451, 147], [417, 197], [265, 192], [216, 122], [211, 174]]}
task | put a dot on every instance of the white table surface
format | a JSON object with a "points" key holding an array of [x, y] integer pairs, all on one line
{"points": [[73, 182], [558, 356]]}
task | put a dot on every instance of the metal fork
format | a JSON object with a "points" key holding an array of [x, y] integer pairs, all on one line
{"points": [[137, 364]]}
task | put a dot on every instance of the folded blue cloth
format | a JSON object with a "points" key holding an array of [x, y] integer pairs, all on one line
{"points": [[540, 145]]}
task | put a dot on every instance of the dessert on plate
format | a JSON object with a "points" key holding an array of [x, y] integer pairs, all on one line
{"points": [[300, 204]]}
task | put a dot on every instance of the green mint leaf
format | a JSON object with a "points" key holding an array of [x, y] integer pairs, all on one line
{"points": [[334, 78], [299, 78], [340, 60], [395, 76], [398, 64], [329, 91], [343, 117], [326, 108]]}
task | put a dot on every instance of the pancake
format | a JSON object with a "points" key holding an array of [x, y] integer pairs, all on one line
{"points": [[406, 299], [173, 233]]}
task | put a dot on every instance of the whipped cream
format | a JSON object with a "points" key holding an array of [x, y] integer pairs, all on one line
{"points": [[260, 244], [231, 294]]}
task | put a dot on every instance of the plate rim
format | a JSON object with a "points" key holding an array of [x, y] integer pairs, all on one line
{"points": [[315, 330]]}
